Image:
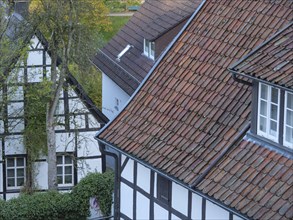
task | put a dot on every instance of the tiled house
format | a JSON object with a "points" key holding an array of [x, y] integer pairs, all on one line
{"points": [[198, 141], [77, 117], [128, 57]]}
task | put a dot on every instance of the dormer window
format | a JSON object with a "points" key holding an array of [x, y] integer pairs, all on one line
{"points": [[149, 49], [270, 122]]}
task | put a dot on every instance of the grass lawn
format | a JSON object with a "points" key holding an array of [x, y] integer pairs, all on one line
{"points": [[117, 24]]}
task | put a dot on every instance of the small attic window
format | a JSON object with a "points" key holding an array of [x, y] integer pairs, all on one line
{"points": [[149, 49], [272, 104]]}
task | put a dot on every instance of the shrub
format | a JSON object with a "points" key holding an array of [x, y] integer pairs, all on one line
{"points": [[65, 206]]}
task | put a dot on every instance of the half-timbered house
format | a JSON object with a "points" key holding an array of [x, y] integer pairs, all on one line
{"points": [[197, 141], [77, 120]]}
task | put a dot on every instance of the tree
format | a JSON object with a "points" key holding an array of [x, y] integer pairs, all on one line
{"points": [[71, 29]]}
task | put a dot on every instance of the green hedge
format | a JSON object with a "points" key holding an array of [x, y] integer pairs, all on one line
{"points": [[67, 206]]}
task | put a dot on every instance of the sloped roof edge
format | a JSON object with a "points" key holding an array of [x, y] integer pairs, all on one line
{"points": [[101, 118], [170, 28], [196, 191], [155, 65], [245, 78]]}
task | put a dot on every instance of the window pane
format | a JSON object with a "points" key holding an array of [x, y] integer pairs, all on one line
{"points": [[146, 46], [290, 100], [263, 124], [273, 128], [10, 182], [10, 162], [59, 170], [59, 179], [275, 95], [68, 160], [68, 179], [274, 112], [20, 162], [20, 181], [59, 159], [289, 118], [263, 108], [10, 173], [289, 135], [153, 49], [264, 91], [68, 170], [20, 172]]}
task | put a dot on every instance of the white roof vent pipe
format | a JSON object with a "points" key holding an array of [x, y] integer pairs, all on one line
{"points": [[123, 52]]}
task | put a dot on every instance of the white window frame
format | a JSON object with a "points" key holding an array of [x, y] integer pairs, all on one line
{"points": [[268, 112], [63, 165], [149, 49], [286, 109], [15, 168]]}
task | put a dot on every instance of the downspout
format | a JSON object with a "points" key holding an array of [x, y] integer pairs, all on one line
{"points": [[116, 181], [234, 76]]}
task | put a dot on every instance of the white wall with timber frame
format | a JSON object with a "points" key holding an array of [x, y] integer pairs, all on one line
{"points": [[74, 133], [139, 197]]}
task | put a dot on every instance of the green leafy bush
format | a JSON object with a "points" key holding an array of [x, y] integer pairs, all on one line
{"points": [[65, 206]]}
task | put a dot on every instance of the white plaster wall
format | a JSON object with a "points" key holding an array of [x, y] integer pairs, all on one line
{"points": [[215, 212], [159, 212], [15, 93], [15, 109], [11, 195], [196, 207], [127, 173], [65, 142], [35, 58], [126, 200], [14, 145], [35, 74], [179, 198], [87, 145], [235, 217], [143, 177], [15, 125], [86, 166], [142, 207], [93, 123], [76, 106], [77, 121], [41, 175], [110, 92]]}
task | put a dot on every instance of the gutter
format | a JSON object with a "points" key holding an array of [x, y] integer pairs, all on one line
{"points": [[177, 181], [235, 74]]}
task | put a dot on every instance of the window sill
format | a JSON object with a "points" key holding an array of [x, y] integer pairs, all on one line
{"points": [[267, 143]]}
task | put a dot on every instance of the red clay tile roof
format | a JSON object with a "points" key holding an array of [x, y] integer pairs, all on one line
{"points": [[253, 180], [153, 19], [190, 108], [272, 61]]}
